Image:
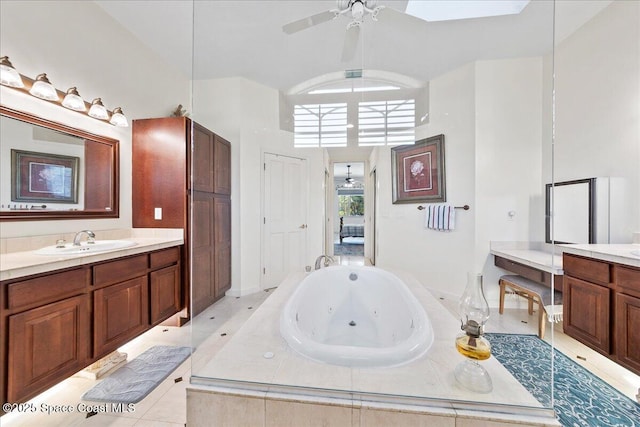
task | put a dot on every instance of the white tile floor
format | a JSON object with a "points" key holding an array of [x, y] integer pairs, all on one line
{"points": [[166, 406]]}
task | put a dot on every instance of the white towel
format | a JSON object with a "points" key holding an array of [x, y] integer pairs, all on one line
{"points": [[554, 312], [440, 217]]}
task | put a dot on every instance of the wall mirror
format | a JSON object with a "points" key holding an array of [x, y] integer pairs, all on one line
{"points": [[570, 211], [53, 171]]}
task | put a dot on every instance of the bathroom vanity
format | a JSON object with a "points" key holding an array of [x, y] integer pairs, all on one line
{"points": [[533, 260], [602, 300], [60, 314]]}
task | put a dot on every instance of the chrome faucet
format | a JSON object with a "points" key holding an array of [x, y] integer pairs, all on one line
{"points": [[327, 260], [91, 237]]}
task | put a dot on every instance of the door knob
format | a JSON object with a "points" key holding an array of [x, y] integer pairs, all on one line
{"points": [[303, 226]]}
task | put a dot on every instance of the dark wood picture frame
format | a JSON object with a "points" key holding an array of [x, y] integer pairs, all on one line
{"points": [[418, 172], [44, 177], [586, 189]]}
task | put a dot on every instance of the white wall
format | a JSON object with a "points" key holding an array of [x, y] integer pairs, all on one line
{"points": [[246, 113], [598, 110], [508, 150], [490, 113], [439, 259], [103, 60]]}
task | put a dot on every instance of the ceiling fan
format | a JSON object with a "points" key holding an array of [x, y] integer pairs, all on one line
{"points": [[348, 180], [356, 11]]}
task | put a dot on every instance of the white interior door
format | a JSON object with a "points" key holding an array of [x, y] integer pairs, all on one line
{"points": [[285, 218]]}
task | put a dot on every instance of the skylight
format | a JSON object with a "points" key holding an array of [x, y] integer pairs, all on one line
{"points": [[446, 10]]}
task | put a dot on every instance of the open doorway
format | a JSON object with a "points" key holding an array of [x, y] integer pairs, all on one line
{"points": [[349, 209]]}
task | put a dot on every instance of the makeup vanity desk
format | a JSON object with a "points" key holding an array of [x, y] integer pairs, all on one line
{"points": [[533, 260]]}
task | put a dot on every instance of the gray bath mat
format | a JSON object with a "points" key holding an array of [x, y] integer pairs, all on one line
{"points": [[132, 382]]}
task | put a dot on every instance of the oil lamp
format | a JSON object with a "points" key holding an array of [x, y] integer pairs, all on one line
{"points": [[474, 313]]}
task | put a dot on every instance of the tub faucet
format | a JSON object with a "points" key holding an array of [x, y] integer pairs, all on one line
{"points": [[90, 239], [327, 260]]}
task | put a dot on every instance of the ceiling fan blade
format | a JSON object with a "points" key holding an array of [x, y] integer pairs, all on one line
{"points": [[310, 21], [350, 43]]}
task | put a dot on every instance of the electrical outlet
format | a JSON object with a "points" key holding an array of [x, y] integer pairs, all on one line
{"points": [[157, 214]]}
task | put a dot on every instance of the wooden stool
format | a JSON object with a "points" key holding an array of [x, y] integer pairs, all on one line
{"points": [[534, 292]]}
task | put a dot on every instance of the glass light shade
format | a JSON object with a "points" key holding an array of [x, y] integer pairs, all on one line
{"points": [[8, 75], [43, 89], [118, 118], [474, 313], [97, 110], [74, 101], [473, 306]]}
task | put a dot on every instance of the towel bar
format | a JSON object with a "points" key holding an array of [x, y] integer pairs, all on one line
{"points": [[465, 207]]}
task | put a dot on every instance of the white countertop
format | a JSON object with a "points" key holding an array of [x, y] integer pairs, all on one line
{"points": [[535, 254], [26, 263], [618, 253]]}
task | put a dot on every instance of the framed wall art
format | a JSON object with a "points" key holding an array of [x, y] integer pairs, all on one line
{"points": [[418, 171], [42, 177]]}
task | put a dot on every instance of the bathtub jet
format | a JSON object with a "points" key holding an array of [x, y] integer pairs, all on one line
{"points": [[357, 317]]}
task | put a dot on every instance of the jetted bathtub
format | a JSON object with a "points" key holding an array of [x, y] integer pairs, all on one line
{"points": [[356, 316]]}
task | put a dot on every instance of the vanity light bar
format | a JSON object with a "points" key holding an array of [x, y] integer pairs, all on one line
{"points": [[71, 100]]}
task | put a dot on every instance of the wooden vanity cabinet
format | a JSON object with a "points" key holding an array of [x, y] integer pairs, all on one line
{"points": [[587, 313], [193, 191], [48, 330], [627, 320], [55, 324], [602, 307], [164, 285]]}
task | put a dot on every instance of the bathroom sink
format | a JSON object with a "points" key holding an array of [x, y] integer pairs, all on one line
{"points": [[85, 248]]}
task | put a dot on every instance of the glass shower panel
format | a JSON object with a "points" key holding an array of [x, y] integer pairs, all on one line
{"points": [[490, 86]]}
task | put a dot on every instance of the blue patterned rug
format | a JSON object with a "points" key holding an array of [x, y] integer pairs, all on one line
{"points": [[580, 398]]}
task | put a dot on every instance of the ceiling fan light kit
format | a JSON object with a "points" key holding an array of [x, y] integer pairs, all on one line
{"points": [[357, 9]]}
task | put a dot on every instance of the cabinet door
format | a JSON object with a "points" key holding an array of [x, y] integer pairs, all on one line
{"points": [[164, 293], [202, 243], [46, 344], [222, 248], [159, 172], [627, 336], [202, 159], [587, 313], [121, 312], [222, 166]]}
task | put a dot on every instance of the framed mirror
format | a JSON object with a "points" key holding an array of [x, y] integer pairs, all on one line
{"points": [[570, 211], [53, 171]]}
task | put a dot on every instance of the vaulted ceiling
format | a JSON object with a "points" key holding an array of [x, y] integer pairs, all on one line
{"points": [[213, 39]]}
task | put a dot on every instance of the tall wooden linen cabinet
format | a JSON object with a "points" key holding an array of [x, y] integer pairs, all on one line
{"points": [[165, 197]]}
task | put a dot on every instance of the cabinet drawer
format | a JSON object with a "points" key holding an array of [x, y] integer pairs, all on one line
{"points": [[520, 269], [164, 257], [46, 289], [587, 269], [628, 280], [120, 270]]}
